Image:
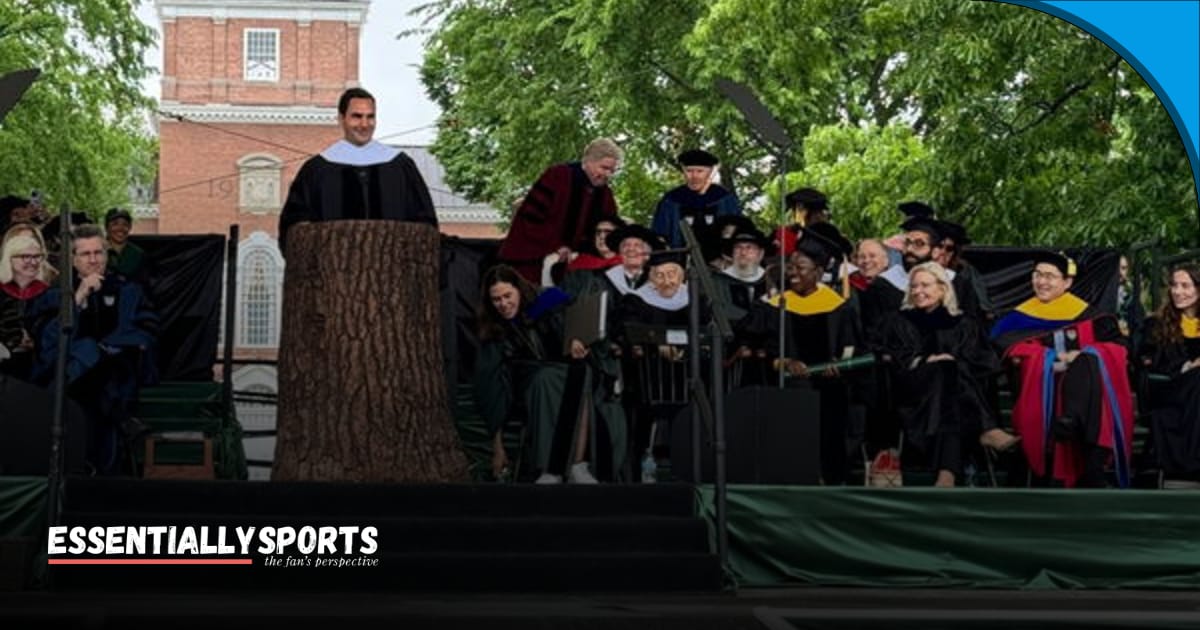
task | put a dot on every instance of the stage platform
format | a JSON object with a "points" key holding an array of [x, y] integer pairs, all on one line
{"points": [[633, 556], [748, 609]]}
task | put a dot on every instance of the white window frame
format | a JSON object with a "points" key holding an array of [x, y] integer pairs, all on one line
{"points": [[246, 72], [259, 244]]}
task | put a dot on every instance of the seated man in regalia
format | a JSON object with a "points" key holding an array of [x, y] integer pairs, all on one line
{"points": [[1074, 406]]}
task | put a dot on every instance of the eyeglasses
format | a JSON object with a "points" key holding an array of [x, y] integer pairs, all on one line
{"points": [[915, 242], [29, 258], [1047, 275]]}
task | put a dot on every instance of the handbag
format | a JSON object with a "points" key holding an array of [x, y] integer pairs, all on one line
{"points": [[885, 470]]}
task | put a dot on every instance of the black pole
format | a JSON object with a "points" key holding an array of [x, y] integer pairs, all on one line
{"points": [[783, 222], [231, 257], [694, 349], [718, 387], [66, 326]]}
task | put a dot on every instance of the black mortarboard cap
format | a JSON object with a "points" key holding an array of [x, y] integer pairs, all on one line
{"points": [[833, 235], [697, 157], [954, 232], [1061, 261], [740, 222], [667, 256], [752, 235], [923, 223], [916, 209], [809, 198], [633, 230], [117, 213], [816, 247], [7, 205]]}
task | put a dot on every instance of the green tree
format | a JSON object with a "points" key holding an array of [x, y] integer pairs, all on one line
{"points": [[1004, 118], [81, 135]]}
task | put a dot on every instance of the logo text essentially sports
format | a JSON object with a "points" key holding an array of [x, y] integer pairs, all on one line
{"points": [[170, 544]]}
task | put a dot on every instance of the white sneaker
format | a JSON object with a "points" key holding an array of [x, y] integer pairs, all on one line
{"points": [[580, 474], [548, 478]]}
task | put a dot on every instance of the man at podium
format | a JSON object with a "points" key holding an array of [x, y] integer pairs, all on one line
{"points": [[357, 177]]}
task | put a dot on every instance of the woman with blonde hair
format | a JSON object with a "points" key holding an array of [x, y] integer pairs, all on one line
{"points": [[22, 278], [939, 360], [49, 273]]}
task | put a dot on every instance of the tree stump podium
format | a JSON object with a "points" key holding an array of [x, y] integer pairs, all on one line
{"points": [[362, 395]]}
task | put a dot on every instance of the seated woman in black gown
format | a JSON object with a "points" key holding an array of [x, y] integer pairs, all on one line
{"points": [[1172, 348], [522, 369], [820, 327], [939, 359]]}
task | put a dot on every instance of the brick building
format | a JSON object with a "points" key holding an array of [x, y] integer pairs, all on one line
{"points": [[249, 91]]}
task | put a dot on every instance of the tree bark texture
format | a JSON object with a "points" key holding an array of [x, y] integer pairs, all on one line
{"points": [[362, 395]]}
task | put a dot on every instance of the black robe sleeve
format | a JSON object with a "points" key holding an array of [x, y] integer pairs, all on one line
{"points": [[417, 205], [301, 204]]}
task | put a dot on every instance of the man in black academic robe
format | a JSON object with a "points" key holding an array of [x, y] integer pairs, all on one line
{"points": [[357, 177]]}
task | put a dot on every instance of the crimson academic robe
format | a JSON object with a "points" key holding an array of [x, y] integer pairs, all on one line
{"points": [[374, 181], [555, 213], [1094, 389]]}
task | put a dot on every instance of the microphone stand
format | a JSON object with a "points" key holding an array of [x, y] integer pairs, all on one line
{"points": [[719, 329]]}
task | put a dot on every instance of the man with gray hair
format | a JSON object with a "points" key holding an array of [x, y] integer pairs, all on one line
{"points": [[555, 213], [110, 347]]}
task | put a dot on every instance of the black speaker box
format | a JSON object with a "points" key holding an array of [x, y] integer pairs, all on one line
{"points": [[772, 436], [26, 412]]}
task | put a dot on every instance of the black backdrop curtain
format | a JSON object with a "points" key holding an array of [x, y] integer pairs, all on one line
{"points": [[184, 282], [1006, 272]]}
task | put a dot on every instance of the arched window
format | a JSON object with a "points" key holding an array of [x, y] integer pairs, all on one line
{"points": [[256, 414], [259, 183], [260, 291]]}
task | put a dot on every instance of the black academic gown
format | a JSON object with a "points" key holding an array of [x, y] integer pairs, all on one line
{"points": [[742, 297], [524, 374], [881, 299], [384, 184], [941, 405], [820, 328], [1175, 412]]}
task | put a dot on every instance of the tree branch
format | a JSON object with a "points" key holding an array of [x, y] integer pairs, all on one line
{"points": [[1049, 109]]}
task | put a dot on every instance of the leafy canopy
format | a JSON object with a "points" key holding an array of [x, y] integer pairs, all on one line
{"points": [[1006, 119], [81, 134]]}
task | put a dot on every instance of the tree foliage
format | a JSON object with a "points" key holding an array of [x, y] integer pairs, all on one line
{"points": [[1009, 120], [80, 135]]}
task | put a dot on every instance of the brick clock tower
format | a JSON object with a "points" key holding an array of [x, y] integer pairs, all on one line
{"points": [[249, 91]]}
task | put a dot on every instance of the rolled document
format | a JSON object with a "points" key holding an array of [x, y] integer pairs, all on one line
{"points": [[853, 363]]}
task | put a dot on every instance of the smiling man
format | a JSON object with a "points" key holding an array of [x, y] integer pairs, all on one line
{"points": [[555, 214], [1074, 399], [357, 177], [124, 258], [699, 200]]}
